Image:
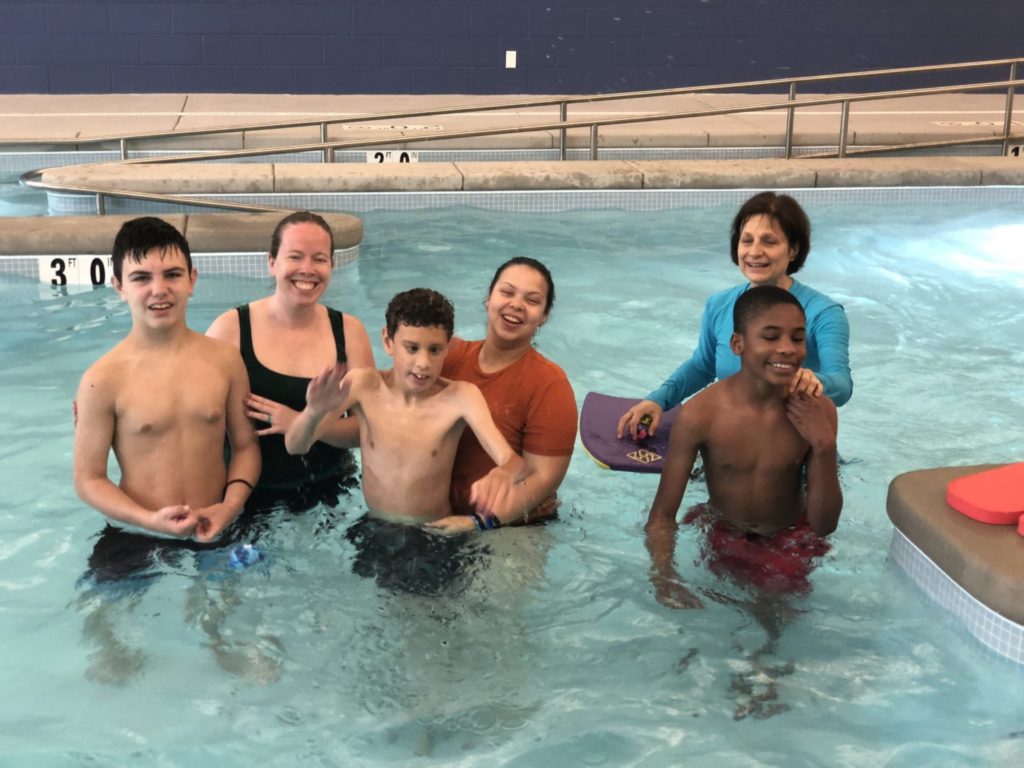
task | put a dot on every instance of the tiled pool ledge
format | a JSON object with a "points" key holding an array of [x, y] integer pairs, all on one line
{"points": [[556, 200], [973, 570], [306, 178], [62, 233], [18, 162], [232, 243]]}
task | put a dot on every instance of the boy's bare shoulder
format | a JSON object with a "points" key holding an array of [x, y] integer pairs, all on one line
{"points": [[109, 370], [707, 401], [366, 381], [225, 326], [211, 348], [369, 377], [463, 391], [697, 415]]}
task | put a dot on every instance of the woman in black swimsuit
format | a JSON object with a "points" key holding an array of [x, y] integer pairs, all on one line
{"points": [[285, 340]]}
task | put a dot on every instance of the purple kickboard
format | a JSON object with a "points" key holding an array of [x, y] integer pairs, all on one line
{"points": [[598, 419]]}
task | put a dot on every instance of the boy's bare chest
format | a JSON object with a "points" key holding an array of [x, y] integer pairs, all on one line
{"points": [[159, 401], [416, 430], [762, 442]]}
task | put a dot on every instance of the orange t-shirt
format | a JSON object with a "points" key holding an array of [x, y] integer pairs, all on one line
{"points": [[531, 401]]}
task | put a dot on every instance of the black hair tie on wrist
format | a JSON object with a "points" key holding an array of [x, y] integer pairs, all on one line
{"points": [[239, 480]]}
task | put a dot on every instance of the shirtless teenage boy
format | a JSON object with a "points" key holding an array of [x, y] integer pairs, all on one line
{"points": [[410, 419], [755, 441], [163, 399]]}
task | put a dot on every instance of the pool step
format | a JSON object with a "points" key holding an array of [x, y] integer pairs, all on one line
{"points": [[205, 232]]}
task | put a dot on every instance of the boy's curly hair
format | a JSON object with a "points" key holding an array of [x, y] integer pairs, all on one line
{"points": [[420, 308]]}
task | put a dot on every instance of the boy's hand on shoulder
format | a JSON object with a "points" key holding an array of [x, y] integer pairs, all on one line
{"points": [[814, 418], [176, 520]]}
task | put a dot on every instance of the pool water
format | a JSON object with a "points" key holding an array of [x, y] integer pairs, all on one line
{"points": [[16, 200], [552, 650]]}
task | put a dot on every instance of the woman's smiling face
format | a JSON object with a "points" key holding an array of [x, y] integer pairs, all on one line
{"points": [[302, 268], [517, 304], [764, 253]]}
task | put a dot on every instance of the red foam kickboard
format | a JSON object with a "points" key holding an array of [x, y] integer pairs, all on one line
{"points": [[994, 496]]}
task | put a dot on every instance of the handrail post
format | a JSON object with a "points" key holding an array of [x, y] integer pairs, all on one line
{"points": [[844, 124], [593, 141], [789, 120], [563, 115], [1008, 119], [101, 204], [323, 140], [124, 149]]}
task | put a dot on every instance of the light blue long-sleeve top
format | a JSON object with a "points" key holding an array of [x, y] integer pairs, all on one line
{"points": [[828, 347]]}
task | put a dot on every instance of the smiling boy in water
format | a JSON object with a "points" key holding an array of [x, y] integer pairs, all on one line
{"points": [[163, 399], [756, 440], [410, 419]]}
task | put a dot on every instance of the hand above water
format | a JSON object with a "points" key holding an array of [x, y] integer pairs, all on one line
{"points": [[814, 418], [324, 393], [278, 417], [631, 419], [178, 520], [805, 381]]}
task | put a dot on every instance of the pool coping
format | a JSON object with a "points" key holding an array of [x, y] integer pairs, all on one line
{"points": [[75, 250], [298, 178]]}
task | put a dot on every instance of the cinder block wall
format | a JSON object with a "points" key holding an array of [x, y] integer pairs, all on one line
{"points": [[459, 46]]}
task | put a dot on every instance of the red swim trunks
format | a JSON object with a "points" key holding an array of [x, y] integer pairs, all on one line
{"points": [[780, 562]]}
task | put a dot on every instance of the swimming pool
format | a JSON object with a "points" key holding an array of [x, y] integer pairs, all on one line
{"points": [[556, 652]]}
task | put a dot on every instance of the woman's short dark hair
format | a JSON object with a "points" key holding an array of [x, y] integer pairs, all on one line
{"points": [[784, 211], [299, 217], [526, 261]]}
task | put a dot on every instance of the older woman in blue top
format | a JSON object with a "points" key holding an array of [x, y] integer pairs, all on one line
{"points": [[770, 239]]}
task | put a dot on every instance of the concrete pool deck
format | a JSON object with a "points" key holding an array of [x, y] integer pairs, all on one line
{"points": [[38, 123], [67, 121]]}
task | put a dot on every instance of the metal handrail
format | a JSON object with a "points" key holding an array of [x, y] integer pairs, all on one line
{"points": [[561, 101], [30, 179], [791, 104], [547, 126]]}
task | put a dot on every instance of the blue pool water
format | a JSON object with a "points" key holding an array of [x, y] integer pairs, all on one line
{"points": [[556, 652], [16, 200]]}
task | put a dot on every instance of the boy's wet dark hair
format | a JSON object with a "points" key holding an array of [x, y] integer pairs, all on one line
{"points": [[137, 237], [526, 261], [757, 300], [299, 217], [784, 211], [420, 308]]}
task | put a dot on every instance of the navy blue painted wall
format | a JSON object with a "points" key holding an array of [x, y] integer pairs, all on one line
{"points": [[458, 46]]}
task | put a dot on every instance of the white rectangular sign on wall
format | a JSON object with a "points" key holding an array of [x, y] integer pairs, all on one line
{"points": [[392, 156], [74, 270], [1015, 150]]}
